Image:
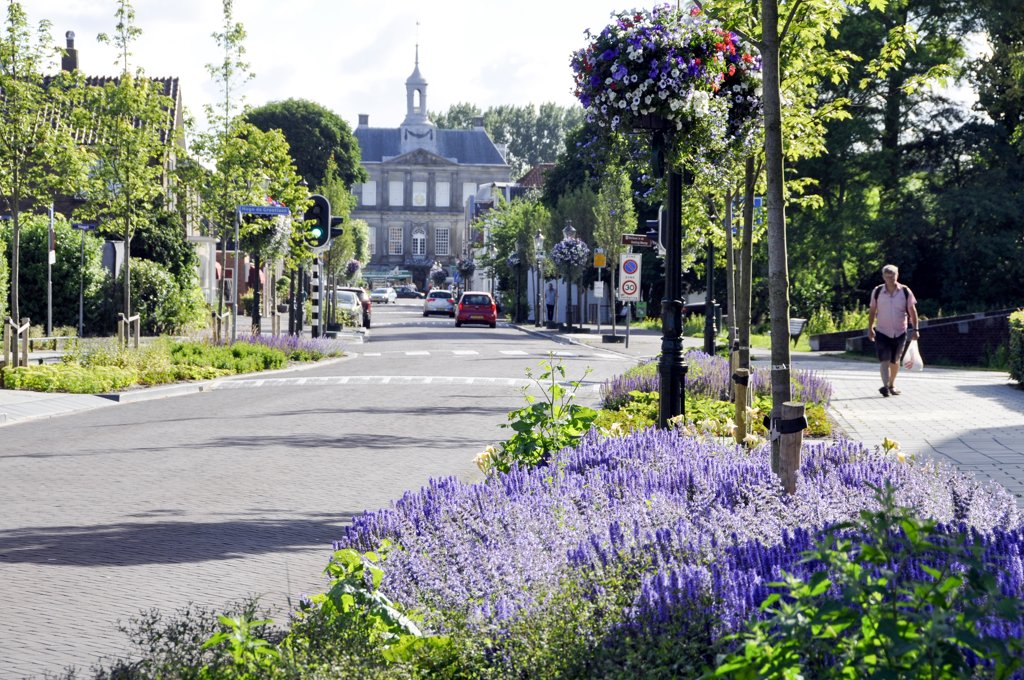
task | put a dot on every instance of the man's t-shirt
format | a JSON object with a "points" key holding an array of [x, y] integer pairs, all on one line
{"points": [[891, 310]]}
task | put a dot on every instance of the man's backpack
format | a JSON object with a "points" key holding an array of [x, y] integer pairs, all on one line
{"points": [[878, 289]]}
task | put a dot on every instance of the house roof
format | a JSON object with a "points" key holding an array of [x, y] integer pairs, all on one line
{"points": [[466, 147], [170, 130], [535, 177]]}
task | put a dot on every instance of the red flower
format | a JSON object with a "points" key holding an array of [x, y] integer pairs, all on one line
{"points": [[732, 69], [747, 58], [694, 11]]}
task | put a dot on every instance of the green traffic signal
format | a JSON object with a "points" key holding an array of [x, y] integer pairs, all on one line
{"points": [[319, 213]]}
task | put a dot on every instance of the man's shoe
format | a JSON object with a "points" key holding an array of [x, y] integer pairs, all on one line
{"points": [[884, 389], [893, 390]]}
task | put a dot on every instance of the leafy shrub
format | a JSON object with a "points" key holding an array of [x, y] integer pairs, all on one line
{"points": [[67, 378], [1016, 357], [820, 321], [241, 357], [544, 426], [163, 304]]}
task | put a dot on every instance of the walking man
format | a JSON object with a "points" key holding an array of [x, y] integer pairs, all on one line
{"points": [[892, 313], [549, 301]]}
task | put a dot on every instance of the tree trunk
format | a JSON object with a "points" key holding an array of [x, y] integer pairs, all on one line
{"points": [[746, 263], [730, 271], [778, 274]]}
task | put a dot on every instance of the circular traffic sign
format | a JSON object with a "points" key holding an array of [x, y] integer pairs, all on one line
{"points": [[630, 266], [629, 287]]}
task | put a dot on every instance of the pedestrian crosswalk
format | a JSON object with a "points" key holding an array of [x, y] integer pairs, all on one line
{"points": [[597, 356]]}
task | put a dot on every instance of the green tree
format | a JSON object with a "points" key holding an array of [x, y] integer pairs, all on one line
{"points": [[38, 155], [315, 135], [130, 117], [614, 215]]}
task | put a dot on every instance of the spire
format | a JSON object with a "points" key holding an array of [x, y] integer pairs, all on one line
{"points": [[416, 95]]}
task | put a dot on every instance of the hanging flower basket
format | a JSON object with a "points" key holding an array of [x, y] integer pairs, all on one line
{"points": [[668, 69], [570, 253], [466, 268]]}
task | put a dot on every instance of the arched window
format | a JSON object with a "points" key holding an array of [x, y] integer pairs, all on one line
{"points": [[419, 242]]}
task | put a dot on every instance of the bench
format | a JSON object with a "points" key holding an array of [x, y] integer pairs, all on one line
{"points": [[796, 327]]}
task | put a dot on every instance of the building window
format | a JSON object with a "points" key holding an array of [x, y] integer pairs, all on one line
{"points": [[369, 196], [419, 242], [442, 242], [468, 189], [443, 194], [419, 194], [395, 190], [373, 241], [395, 245]]}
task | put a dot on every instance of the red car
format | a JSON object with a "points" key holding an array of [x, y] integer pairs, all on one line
{"points": [[476, 307]]}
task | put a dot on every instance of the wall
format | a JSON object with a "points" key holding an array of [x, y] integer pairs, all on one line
{"points": [[968, 340]]}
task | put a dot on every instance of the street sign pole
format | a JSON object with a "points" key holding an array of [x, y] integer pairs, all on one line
{"points": [[83, 227]]}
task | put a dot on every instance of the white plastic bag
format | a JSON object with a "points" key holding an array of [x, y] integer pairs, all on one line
{"points": [[912, 360]]}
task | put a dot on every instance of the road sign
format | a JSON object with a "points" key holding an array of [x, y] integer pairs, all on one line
{"points": [[264, 210], [636, 240], [83, 226], [599, 258], [629, 277], [599, 289]]}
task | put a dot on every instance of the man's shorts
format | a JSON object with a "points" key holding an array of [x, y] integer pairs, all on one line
{"points": [[889, 349]]}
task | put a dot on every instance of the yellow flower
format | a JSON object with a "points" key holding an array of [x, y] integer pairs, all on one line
{"points": [[901, 457], [752, 440], [485, 459], [890, 445]]}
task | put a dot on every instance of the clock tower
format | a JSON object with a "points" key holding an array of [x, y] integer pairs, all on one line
{"points": [[417, 131]]}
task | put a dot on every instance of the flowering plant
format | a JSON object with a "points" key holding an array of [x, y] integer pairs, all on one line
{"points": [[570, 252], [669, 64], [438, 276], [466, 268], [351, 267]]}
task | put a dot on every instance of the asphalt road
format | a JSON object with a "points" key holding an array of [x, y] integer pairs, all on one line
{"points": [[240, 490]]}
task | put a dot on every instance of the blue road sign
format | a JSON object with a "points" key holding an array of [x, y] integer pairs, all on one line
{"points": [[264, 210], [83, 226]]}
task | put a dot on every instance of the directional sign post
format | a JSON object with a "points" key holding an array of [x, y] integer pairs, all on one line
{"points": [[636, 240]]}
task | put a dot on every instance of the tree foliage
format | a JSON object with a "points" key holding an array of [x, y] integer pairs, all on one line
{"points": [[316, 136], [39, 156]]}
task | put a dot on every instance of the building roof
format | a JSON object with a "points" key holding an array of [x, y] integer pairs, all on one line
{"points": [[535, 177], [466, 147]]}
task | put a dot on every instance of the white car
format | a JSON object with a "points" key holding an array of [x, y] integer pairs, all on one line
{"points": [[439, 302], [348, 306], [383, 295]]}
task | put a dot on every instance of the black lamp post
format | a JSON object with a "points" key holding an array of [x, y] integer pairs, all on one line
{"points": [[569, 234], [538, 255], [671, 367]]}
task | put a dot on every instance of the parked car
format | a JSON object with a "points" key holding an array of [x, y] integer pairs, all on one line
{"points": [[476, 307], [439, 302], [347, 307], [409, 292], [364, 300], [383, 295]]}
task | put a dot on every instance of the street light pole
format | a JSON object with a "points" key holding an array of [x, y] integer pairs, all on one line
{"points": [[538, 253], [569, 234], [671, 367]]}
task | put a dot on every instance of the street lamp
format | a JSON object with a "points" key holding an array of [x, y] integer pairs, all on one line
{"points": [[569, 234], [710, 331], [538, 255]]}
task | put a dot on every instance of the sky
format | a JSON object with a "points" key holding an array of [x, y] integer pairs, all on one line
{"points": [[352, 56]]}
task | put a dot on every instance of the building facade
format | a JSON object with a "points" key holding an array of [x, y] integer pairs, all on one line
{"points": [[420, 179]]}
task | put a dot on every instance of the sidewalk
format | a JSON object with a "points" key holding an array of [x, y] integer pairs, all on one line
{"points": [[971, 419]]}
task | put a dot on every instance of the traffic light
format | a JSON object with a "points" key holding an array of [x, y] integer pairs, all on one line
{"points": [[320, 215], [336, 228]]}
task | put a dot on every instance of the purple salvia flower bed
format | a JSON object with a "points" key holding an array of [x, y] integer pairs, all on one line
{"points": [[709, 376], [488, 553], [291, 343]]}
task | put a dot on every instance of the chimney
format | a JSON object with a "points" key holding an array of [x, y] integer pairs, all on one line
{"points": [[69, 62], [478, 122], [364, 120]]}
